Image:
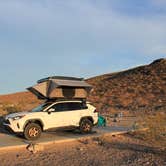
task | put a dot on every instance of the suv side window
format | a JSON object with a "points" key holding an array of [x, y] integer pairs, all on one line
{"points": [[76, 106], [60, 107], [70, 106]]}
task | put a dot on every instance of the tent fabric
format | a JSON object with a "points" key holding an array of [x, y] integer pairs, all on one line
{"points": [[71, 83], [36, 93], [42, 88], [61, 88], [68, 93]]}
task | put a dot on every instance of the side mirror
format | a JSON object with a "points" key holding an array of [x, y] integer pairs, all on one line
{"points": [[51, 110]]}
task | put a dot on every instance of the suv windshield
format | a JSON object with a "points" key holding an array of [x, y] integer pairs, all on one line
{"points": [[41, 107]]}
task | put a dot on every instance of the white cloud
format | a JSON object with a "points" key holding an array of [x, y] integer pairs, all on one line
{"points": [[82, 26]]}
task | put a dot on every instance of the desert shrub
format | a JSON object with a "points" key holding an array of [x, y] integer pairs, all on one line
{"points": [[9, 108], [2, 112], [157, 126], [156, 132]]}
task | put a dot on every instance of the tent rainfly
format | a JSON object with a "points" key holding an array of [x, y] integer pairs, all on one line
{"points": [[59, 87]]}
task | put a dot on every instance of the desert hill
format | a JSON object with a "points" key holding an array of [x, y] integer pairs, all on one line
{"points": [[140, 88], [20, 101]]}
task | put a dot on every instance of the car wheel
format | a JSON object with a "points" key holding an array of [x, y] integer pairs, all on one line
{"points": [[32, 131], [86, 126]]}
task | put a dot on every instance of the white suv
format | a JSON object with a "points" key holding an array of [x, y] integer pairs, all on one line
{"points": [[59, 114]]}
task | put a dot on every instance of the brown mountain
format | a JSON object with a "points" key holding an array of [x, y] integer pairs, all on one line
{"points": [[140, 88], [19, 101]]}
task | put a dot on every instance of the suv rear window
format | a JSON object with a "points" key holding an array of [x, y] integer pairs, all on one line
{"points": [[69, 106]]}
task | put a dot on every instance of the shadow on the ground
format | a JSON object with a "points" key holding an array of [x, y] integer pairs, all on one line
{"points": [[2, 128]]}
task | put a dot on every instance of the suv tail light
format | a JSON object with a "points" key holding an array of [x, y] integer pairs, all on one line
{"points": [[96, 111]]}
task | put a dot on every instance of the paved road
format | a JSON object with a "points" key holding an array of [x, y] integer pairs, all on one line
{"points": [[9, 141]]}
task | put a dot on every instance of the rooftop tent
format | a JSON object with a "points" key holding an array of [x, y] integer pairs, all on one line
{"points": [[61, 87]]}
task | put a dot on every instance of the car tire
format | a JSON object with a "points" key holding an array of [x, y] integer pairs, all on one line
{"points": [[86, 126], [32, 131]]}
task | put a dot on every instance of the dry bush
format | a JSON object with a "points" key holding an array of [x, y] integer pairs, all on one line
{"points": [[9, 108], [157, 125], [2, 112], [156, 133]]}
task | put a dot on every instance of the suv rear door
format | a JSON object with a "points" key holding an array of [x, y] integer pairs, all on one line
{"points": [[74, 113]]}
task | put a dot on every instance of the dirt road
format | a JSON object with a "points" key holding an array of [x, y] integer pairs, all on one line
{"points": [[106, 151]]}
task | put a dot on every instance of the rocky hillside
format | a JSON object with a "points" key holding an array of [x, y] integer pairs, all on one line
{"points": [[17, 102], [140, 88]]}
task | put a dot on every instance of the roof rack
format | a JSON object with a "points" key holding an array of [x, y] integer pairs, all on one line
{"points": [[65, 99]]}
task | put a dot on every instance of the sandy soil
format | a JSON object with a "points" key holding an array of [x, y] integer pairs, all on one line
{"points": [[106, 151]]}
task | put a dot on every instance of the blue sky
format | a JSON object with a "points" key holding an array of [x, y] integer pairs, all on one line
{"points": [[81, 38]]}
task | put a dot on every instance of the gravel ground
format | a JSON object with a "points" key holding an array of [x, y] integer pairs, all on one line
{"points": [[106, 151]]}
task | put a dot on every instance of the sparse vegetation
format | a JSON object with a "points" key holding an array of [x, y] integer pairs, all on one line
{"points": [[105, 151], [9, 108], [22, 101], [135, 90], [156, 133]]}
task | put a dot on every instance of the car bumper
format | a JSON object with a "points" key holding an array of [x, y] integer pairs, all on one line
{"points": [[95, 120], [7, 128], [12, 127]]}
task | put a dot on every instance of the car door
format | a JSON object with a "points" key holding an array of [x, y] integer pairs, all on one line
{"points": [[61, 115], [74, 113], [56, 115]]}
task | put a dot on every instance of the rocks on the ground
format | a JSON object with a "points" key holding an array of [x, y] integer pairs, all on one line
{"points": [[17, 155], [80, 148], [34, 148], [84, 141]]}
